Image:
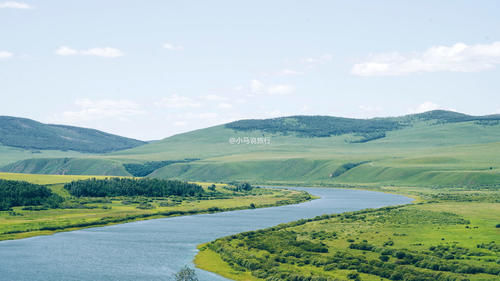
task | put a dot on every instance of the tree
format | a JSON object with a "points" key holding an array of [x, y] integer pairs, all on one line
{"points": [[186, 274]]}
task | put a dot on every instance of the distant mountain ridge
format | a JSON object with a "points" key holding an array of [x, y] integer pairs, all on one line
{"points": [[32, 135], [326, 126]]}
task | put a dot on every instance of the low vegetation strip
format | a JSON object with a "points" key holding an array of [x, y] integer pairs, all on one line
{"points": [[426, 241], [346, 167]]}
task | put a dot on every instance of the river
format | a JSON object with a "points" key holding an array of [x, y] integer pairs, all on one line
{"points": [[156, 249]]}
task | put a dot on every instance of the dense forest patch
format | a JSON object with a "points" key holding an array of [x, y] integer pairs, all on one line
{"points": [[317, 126], [20, 193], [132, 187]]}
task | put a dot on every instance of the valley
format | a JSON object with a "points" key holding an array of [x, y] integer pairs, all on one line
{"points": [[448, 162]]}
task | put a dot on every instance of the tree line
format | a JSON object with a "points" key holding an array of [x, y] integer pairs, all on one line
{"points": [[319, 126], [110, 187], [20, 193]]}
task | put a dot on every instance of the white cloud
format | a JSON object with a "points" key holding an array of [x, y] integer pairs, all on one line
{"points": [[172, 47], [224, 105], [257, 87], [180, 123], [66, 51], [318, 60], [280, 89], [456, 58], [5, 55], [289, 72], [102, 109], [428, 106], [212, 97], [15, 5], [106, 52], [177, 101]]}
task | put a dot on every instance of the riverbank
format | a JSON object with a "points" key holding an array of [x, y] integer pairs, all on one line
{"points": [[448, 233], [24, 222]]}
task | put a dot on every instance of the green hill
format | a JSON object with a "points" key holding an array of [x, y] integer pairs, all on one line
{"points": [[31, 135], [68, 166], [437, 148]]}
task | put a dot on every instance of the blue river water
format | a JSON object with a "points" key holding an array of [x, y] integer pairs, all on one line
{"points": [[157, 249]]}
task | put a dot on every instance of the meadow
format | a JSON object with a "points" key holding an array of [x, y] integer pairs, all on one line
{"points": [[82, 212], [423, 155], [454, 238]]}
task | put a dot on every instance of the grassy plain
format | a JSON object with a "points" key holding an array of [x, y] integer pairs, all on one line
{"points": [[429, 241], [90, 212]]}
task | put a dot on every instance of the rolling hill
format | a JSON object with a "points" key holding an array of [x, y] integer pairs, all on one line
{"points": [[22, 138], [436, 148], [32, 135]]}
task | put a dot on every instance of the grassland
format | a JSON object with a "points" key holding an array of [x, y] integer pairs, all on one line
{"points": [[77, 213], [429, 153], [32, 135], [451, 238], [12, 154]]}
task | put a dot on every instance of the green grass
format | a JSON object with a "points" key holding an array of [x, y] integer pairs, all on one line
{"points": [[446, 233], [12, 154], [78, 213], [426, 155], [451, 154], [68, 166], [30, 134], [209, 260], [45, 179]]}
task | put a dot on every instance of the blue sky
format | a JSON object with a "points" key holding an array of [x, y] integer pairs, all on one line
{"points": [[151, 69]]}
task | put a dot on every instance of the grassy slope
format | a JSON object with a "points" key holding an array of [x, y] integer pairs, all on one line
{"points": [[10, 154], [21, 223], [30, 134], [425, 154], [68, 166], [449, 154]]}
